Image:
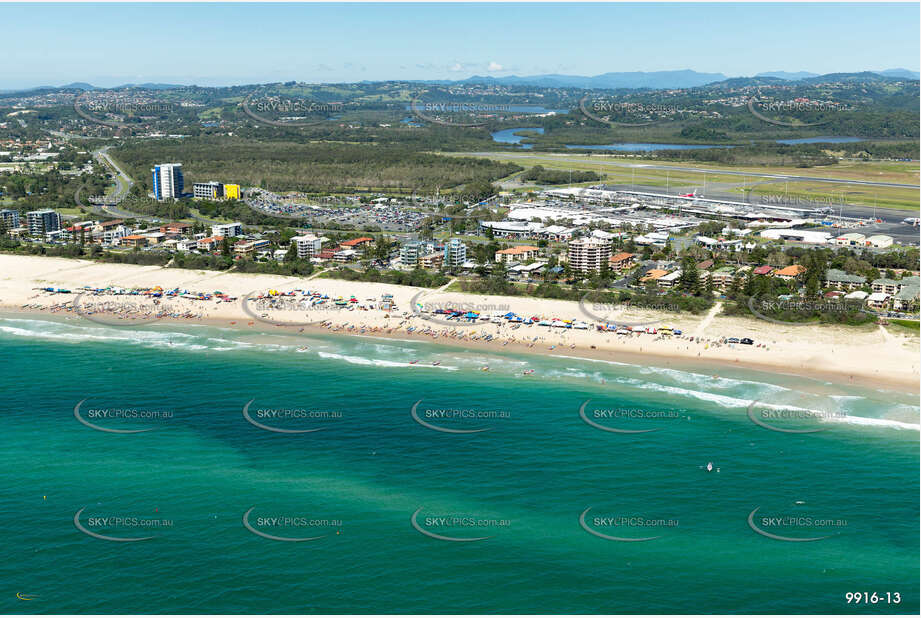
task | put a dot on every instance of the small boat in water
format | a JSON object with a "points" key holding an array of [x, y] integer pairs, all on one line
{"points": [[709, 466], [436, 363]]}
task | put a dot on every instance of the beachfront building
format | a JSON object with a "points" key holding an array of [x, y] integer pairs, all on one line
{"points": [[228, 230], [433, 260], [790, 272], [308, 246], [412, 251], [878, 300], [41, 222], [521, 253], [10, 218], [455, 253], [134, 241], [345, 255], [112, 234], [620, 262], [209, 243], [587, 255], [906, 299], [885, 286], [249, 247], [841, 280], [723, 277], [669, 280], [167, 181]]}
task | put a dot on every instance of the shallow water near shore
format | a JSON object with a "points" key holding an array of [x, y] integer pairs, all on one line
{"points": [[371, 460]]}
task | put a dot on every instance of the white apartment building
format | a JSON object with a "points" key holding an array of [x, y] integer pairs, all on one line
{"points": [[308, 246], [586, 255]]}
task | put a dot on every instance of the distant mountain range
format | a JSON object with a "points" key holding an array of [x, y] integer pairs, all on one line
{"points": [[655, 80], [86, 86], [633, 79]]}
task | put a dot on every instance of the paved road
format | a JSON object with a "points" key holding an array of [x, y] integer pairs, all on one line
{"points": [[123, 182], [677, 168]]}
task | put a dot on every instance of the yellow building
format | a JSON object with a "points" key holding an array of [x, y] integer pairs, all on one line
{"points": [[231, 192]]}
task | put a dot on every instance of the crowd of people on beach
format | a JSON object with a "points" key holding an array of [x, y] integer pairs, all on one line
{"points": [[128, 304], [303, 308]]}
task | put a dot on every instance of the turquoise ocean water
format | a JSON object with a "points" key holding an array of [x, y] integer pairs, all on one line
{"points": [[357, 482]]}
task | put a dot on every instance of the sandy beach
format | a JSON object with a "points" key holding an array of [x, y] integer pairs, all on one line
{"points": [[871, 356]]}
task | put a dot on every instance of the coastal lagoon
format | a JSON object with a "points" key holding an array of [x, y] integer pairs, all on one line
{"points": [[518, 472], [508, 136]]}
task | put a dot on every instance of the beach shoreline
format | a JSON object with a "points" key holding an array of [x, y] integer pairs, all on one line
{"points": [[862, 357]]}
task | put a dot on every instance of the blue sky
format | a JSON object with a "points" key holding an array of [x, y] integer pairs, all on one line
{"points": [[221, 44]]}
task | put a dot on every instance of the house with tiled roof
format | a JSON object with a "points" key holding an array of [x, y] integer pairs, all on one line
{"points": [[521, 253], [653, 275], [790, 272], [620, 262]]}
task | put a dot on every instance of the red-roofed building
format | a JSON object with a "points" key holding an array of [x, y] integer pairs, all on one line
{"points": [[207, 244], [355, 243], [621, 261], [763, 270], [790, 272], [134, 240]]}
